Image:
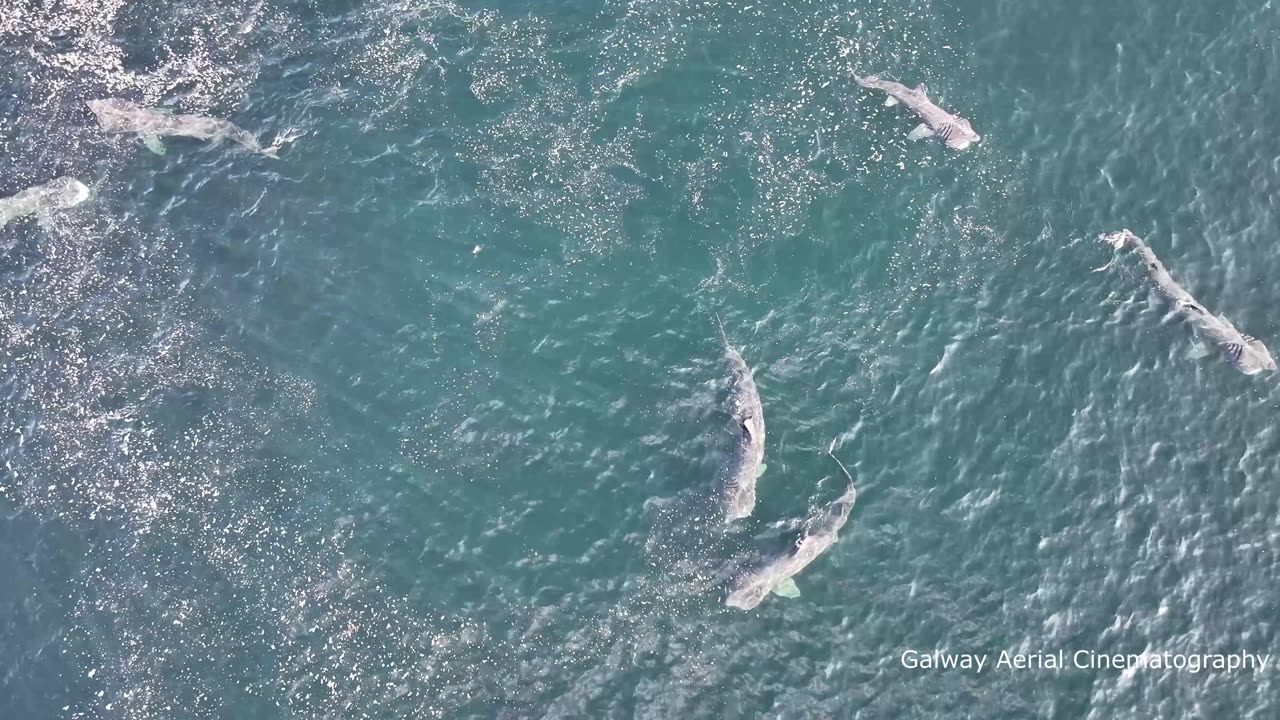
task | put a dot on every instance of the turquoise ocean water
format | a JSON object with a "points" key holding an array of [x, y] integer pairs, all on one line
{"points": [[414, 422]]}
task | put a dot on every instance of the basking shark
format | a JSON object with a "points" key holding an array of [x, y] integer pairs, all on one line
{"points": [[1243, 352], [738, 481], [121, 116], [955, 130], [57, 194], [818, 533]]}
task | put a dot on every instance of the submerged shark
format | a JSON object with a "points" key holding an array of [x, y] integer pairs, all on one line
{"points": [[738, 481], [1242, 352], [819, 532], [57, 194], [955, 130], [121, 116]]}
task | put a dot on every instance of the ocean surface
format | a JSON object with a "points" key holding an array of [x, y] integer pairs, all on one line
{"points": [[416, 421]]}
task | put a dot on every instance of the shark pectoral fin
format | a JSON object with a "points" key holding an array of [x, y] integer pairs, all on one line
{"points": [[890, 101], [922, 131], [760, 470], [152, 143], [1199, 350], [787, 589]]}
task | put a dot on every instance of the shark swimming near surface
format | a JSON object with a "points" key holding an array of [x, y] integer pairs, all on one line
{"points": [[738, 480], [955, 130], [819, 532], [1242, 352], [57, 194], [121, 116]]}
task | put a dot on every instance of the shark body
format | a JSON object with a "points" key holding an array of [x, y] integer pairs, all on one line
{"points": [[955, 130], [57, 194], [819, 532], [122, 116], [1243, 352]]}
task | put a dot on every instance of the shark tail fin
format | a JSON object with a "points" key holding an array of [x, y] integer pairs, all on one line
{"points": [[1125, 237], [787, 589], [720, 325], [847, 475], [282, 139]]}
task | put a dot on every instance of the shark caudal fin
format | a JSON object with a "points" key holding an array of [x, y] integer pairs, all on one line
{"points": [[848, 476], [723, 335], [787, 589], [1117, 240], [281, 140]]}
